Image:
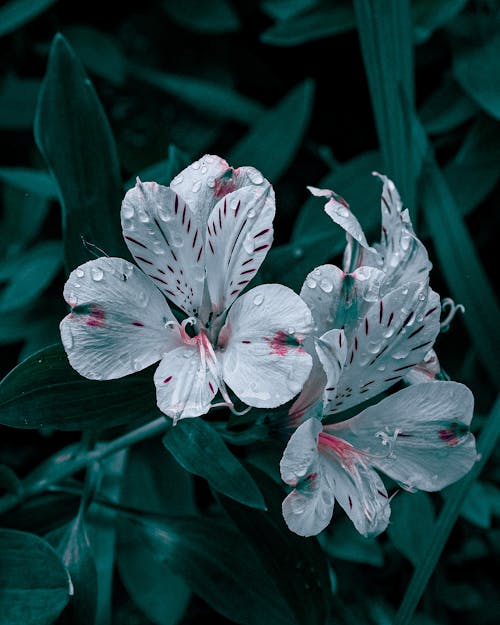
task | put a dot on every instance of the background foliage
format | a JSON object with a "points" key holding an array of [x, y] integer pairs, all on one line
{"points": [[311, 92]]}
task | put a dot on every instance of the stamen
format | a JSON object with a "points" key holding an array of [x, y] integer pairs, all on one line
{"points": [[449, 303]]}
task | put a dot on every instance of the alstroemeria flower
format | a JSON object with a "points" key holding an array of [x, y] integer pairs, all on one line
{"points": [[418, 436], [198, 243]]}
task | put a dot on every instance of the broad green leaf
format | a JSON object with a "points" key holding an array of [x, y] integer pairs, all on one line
{"points": [[412, 522], [34, 585], [23, 217], [476, 69], [99, 52], [30, 181], [73, 134], [316, 23], [217, 564], [285, 9], [430, 15], [72, 544], [446, 108], [306, 586], [18, 102], [45, 391], [42, 514], [16, 13], [34, 271], [203, 95], [199, 449], [344, 542], [164, 171], [217, 16], [273, 141], [155, 483], [476, 507]]}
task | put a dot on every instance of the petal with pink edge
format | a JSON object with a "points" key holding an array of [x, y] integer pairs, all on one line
{"points": [[419, 436], [310, 401], [117, 322], [185, 386], [263, 359], [239, 235], [167, 242]]}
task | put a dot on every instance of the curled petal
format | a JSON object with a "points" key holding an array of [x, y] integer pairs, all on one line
{"points": [[117, 322]]}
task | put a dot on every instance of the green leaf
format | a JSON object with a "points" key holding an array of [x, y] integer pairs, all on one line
{"points": [[153, 482], [33, 272], [18, 98], [163, 172], [202, 95], [73, 134], [317, 23], [429, 15], [476, 507], [285, 9], [217, 16], [412, 522], [272, 142], [99, 52], [16, 13], [199, 449], [44, 390], [446, 108], [344, 542], [476, 69], [306, 586], [23, 217], [217, 564], [34, 585], [30, 181]]}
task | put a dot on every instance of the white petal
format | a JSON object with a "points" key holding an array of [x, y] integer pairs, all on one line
{"points": [[339, 300], [239, 235], [301, 452], [424, 371], [419, 436], [310, 401], [263, 360], [332, 351], [166, 240], [393, 337], [117, 323], [184, 384]]}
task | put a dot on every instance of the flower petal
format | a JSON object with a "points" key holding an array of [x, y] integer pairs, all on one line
{"points": [[310, 401], [419, 436], [166, 240], [393, 337], [264, 361], [332, 351], [239, 235], [424, 371], [185, 386], [117, 322]]}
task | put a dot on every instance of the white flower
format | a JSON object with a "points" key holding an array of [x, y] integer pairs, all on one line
{"points": [[418, 436], [198, 243]]}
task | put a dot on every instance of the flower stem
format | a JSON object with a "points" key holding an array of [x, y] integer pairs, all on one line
{"points": [[154, 428]]}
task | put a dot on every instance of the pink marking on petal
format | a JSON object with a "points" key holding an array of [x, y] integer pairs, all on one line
{"points": [[199, 254], [246, 342], [211, 387], [176, 204], [281, 342], [381, 311], [448, 437], [136, 242], [137, 324], [261, 247], [247, 261], [261, 233], [167, 380], [96, 317], [224, 184]]}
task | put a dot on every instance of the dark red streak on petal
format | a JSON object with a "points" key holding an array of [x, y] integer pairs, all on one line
{"points": [[136, 242]]}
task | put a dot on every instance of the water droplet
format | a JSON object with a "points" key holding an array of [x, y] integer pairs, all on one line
{"points": [[405, 291], [326, 285], [374, 348], [399, 355], [79, 273], [204, 169], [290, 330], [177, 180], [196, 186], [258, 299], [97, 274], [388, 333], [233, 204], [421, 297], [311, 282], [394, 260], [143, 216], [158, 247], [381, 367], [211, 182], [317, 272], [342, 211], [255, 177], [196, 165], [127, 210], [177, 239], [297, 252], [405, 242], [251, 213], [128, 224], [249, 244], [164, 212]]}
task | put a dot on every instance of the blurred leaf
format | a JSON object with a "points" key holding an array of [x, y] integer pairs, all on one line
{"points": [[45, 390], [73, 134], [99, 52], [33, 271], [9, 482], [316, 23], [345, 543], [459, 261], [155, 483], [40, 334], [217, 16], [430, 15], [476, 69], [474, 170], [23, 216], [18, 103], [72, 544], [30, 180], [203, 95], [216, 563], [272, 142], [306, 586], [477, 507], [199, 449], [446, 108], [16, 13], [285, 9], [34, 585], [164, 171], [412, 522]]}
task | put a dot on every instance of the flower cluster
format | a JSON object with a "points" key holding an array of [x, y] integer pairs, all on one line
{"points": [[352, 334]]}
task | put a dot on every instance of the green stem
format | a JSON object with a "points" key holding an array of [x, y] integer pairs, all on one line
{"points": [[154, 428]]}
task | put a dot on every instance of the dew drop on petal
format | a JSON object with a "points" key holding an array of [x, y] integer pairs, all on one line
{"points": [[143, 217], [177, 240], [79, 273], [405, 242], [127, 210], [97, 274], [255, 177], [405, 291], [251, 213], [421, 297], [158, 247], [196, 186], [381, 367], [204, 169], [196, 165], [311, 282], [211, 182], [164, 213], [258, 299], [177, 180], [128, 224], [343, 212], [394, 261], [249, 244], [233, 205], [326, 285]]}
